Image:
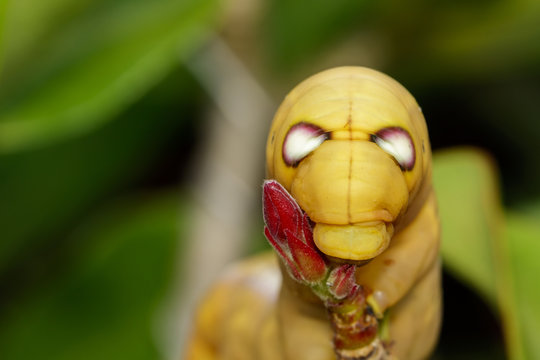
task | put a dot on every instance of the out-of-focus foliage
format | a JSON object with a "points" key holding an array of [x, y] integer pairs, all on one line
{"points": [[103, 304], [493, 253], [449, 40], [43, 191], [295, 30], [128, 47], [470, 233], [523, 232], [47, 194], [93, 99]]}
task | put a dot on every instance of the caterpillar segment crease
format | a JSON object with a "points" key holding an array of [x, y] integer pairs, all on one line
{"points": [[350, 211]]}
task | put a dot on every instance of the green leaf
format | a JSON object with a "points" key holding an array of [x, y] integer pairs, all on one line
{"points": [[118, 53], [469, 208], [523, 234], [104, 304], [494, 254]]}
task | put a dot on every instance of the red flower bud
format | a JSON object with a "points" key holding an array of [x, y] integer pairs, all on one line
{"points": [[308, 232], [341, 281], [280, 210], [284, 255], [289, 231], [310, 263]]}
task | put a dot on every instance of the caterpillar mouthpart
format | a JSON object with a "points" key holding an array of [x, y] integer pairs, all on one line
{"points": [[359, 241]]}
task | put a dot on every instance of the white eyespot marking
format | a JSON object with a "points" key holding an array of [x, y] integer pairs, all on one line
{"points": [[300, 141], [397, 142]]}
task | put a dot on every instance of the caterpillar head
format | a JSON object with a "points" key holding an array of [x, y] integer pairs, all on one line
{"points": [[351, 146]]}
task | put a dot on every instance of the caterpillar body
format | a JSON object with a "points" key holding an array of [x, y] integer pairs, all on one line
{"points": [[349, 150]]}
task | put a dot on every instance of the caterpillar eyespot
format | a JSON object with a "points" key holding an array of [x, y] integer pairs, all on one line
{"points": [[301, 139], [398, 143]]}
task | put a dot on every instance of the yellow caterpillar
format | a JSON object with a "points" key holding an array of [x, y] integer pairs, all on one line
{"points": [[351, 146]]}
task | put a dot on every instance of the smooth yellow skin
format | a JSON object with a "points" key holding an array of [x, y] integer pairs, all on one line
{"points": [[363, 206]]}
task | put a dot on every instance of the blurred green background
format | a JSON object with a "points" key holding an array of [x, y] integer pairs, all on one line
{"points": [[131, 129]]}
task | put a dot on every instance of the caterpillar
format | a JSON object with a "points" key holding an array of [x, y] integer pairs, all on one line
{"points": [[350, 209]]}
